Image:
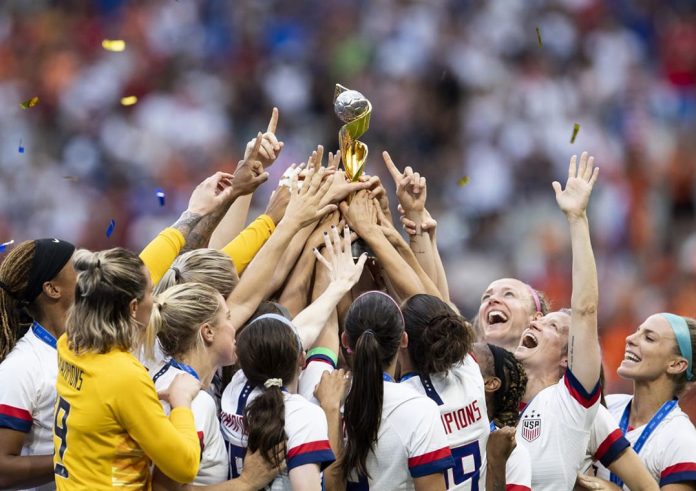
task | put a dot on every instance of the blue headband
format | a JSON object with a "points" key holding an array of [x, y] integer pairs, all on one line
{"points": [[681, 333]]}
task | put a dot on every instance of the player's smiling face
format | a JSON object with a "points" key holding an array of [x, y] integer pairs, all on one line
{"points": [[544, 342], [506, 310], [650, 351]]}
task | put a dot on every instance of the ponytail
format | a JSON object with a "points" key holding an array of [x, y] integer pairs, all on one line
{"points": [[268, 352], [374, 327], [264, 418], [363, 407], [14, 279], [438, 337]]}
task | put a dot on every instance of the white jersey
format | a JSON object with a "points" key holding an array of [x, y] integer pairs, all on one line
{"points": [[28, 392], [305, 427], [607, 442], [555, 429], [669, 453], [461, 399], [315, 366], [213, 468], [518, 468], [411, 442]]}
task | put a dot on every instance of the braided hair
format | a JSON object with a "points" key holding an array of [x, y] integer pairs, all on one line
{"points": [[513, 383]]}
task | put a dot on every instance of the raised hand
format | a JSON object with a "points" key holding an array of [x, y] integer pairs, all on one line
{"points": [[361, 214], [341, 187], [343, 271], [270, 147], [305, 205], [278, 203], [250, 173], [214, 191], [429, 224], [581, 178], [411, 188]]}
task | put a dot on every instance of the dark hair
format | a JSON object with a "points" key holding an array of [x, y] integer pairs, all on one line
{"points": [[513, 384], [373, 326], [14, 313], [437, 336], [680, 380], [268, 348]]}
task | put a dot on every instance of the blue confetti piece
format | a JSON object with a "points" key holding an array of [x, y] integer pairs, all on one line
{"points": [[110, 229], [5, 245], [160, 196], [21, 148]]}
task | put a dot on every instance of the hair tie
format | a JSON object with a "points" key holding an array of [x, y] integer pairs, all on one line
{"points": [[177, 274], [273, 382], [369, 331], [535, 297], [681, 333], [8, 290]]}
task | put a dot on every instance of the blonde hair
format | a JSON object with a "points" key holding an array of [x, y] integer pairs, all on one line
{"points": [[178, 313], [100, 320], [208, 266]]}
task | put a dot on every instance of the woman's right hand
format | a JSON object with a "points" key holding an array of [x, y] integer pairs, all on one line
{"points": [[181, 391], [305, 207]]}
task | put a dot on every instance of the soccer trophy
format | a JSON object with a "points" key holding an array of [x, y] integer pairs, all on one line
{"points": [[354, 110]]}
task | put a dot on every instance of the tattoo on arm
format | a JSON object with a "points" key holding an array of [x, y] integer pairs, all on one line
{"points": [[186, 222], [571, 346], [201, 232]]}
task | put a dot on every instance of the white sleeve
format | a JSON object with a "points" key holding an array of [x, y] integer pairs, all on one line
{"points": [[18, 393], [607, 441], [204, 412], [308, 437], [679, 457], [427, 447], [518, 470], [311, 375], [577, 407]]}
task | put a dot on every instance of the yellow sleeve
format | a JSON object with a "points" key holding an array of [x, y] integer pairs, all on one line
{"points": [[160, 253], [170, 442], [244, 247]]}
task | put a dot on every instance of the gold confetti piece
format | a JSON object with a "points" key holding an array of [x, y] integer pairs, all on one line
{"points": [[129, 101], [539, 37], [463, 181], [30, 103], [576, 129], [115, 45]]}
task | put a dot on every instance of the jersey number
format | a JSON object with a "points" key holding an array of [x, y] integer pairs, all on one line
{"points": [[61, 431], [467, 465]]}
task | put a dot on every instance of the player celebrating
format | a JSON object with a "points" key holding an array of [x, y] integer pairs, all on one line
{"points": [[108, 422], [437, 364], [394, 438], [556, 422], [37, 280], [659, 361], [261, 409]]}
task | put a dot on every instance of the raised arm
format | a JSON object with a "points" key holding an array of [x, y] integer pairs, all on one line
{"points": [[344, 273], [361, 215], [233, 222], [584, 357], [302, 210], [208, 196]]}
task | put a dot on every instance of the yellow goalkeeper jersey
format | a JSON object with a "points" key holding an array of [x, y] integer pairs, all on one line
{"points": [[109, 425]]}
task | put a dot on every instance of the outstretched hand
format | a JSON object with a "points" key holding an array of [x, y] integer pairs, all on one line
{"points": [[411, 188], [214, 191], [305, 206], [269, 148], [581, 179], [343, 271]]}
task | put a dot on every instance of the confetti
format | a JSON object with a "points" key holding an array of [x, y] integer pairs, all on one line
{"points": [[115, 45], [5, 245], [110, 228], [21, 148], [539, 37], [576, 129], [128, 101], [30, 102], [463, 181], [160, 196]]}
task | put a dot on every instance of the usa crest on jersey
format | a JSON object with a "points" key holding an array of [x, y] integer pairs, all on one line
{"points": [[531, 426]]}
